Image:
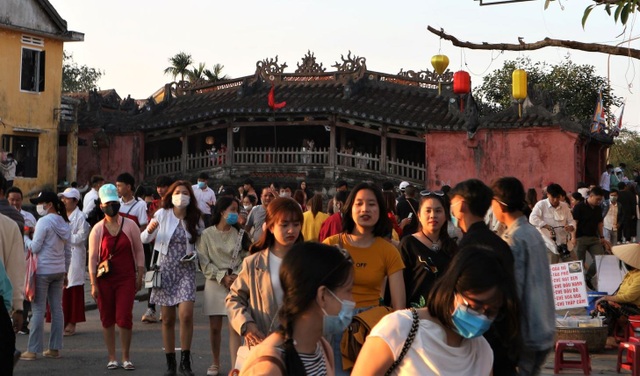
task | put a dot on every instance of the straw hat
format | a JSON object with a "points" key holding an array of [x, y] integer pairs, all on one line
{"points": [[628, 253]]}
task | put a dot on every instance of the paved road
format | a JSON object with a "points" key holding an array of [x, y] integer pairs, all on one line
{"points": [[85, 352]]}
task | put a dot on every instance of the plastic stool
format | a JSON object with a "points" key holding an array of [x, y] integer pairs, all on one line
{"points": [[560, 362], [632, 362]]}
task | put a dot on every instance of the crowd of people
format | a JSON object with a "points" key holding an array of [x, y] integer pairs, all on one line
{"points": [[464, 270]]}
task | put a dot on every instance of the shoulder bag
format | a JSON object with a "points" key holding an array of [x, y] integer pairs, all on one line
{"points": [[153, 277], [356, 333], [407, 343], [104, 267]]}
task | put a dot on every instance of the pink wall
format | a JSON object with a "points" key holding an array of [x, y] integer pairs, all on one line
{"points": [[536, 156], [122, 153]]}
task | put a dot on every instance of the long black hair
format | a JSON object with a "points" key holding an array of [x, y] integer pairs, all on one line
{"points": [[305, 268], [192, 217], [382, 227]]}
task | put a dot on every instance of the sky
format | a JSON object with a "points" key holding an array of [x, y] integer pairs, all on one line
{"points": [[131, 41]]}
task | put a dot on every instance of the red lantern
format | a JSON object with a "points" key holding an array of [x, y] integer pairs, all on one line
{"points": [[461, 82]]}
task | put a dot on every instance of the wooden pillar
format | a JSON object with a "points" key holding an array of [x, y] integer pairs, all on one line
{"points": [[426, 162], [185, 150], [72, 148], [383, 150], [332, 145], [229, 157]]}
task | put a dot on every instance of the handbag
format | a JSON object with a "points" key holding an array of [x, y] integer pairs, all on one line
{"points": [[30, 278], [153, 277], [104, 267], [407, 342], [356, 333]]}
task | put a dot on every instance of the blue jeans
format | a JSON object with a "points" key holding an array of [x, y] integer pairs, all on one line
{"points": [[48, 288]]}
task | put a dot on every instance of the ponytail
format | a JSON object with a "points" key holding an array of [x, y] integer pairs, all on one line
{"points": [[292, 361]]}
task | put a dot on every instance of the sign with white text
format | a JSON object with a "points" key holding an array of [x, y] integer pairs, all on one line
{"points": [[569, 288]]}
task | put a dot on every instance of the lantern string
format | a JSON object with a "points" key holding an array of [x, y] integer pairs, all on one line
{"points": [[488, 66]]}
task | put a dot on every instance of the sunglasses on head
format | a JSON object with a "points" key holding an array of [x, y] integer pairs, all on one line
{"points": [[427, 192]]}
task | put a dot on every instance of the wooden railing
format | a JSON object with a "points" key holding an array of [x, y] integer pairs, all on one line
{"points": [[281, 156], [291, 156]]}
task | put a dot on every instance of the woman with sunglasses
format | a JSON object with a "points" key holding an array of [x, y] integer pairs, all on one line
{"points": [[256, 294], [477, 290], [365, 224], [532, 275], [316, 281], [427, 253]]}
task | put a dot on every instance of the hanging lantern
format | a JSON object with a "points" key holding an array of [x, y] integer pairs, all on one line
{"points": [[440, 63], [461, 82], [461, 85], [519, 87], [209, 140]]}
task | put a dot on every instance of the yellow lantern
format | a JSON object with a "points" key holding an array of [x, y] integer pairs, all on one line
{"points": [[440, 63], [519, 84], [519, 87]]}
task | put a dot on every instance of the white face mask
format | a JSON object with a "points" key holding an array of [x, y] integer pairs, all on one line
{"points": [[247, 207], [41, 210], [180, 200]]}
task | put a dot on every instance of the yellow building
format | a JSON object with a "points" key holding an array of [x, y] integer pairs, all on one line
{"points": [[32, 35]]}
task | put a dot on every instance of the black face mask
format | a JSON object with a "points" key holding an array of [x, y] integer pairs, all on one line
{"points": [[112, 209]]}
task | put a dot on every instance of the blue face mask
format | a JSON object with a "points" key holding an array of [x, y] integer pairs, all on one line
{"points": [[331, 324], [201, 184], [470, 325], [232, 218]]}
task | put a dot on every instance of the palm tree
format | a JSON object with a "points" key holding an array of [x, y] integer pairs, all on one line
{"points": [[196, 73], [214, 75], [179, 65]]}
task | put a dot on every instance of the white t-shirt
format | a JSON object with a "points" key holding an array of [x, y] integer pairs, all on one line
{"points": [[429, 353], [138, 211], [205, 197], [274, 273], [89, 201]]}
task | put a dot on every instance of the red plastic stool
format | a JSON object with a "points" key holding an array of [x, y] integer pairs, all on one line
{"points": [[561, 363], [632, 362]]}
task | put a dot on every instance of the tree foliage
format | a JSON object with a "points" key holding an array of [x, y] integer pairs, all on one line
{"points": [[619, 9], [181, 65], [626, 149], [76, 78], [571, 86]]}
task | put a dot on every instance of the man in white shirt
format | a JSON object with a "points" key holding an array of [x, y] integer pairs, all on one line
{"points": [[605, 179], [89, 202], [130, 206], [553, 216], [205, 196]]}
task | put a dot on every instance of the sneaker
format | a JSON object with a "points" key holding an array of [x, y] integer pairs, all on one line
{"points": [[27, 355], [213, 370], [55, 354], [24, 331], [149, 316]]}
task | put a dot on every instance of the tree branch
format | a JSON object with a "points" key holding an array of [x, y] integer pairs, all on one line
{"points": [[546, 42]]}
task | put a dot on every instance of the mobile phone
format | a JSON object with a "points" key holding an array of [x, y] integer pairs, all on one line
{"points": [[188, 257], [410, 215]]}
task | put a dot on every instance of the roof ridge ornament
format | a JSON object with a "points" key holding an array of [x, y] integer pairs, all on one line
{"points": [[269, 69], [309, 64], [351, 68], [427, 76]]}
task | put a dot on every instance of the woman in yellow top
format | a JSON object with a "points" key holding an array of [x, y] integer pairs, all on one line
{"points": [[626, 300], [313, 219], [365, 223]]}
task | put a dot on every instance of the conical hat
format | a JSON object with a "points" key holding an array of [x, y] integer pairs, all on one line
{"points": [[628, 253]]}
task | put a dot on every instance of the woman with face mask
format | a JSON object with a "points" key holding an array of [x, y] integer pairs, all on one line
{"points": [[51, 245], [221, 249], [117, 239], [175, 228], [256, 295], [477, 290], [316, 281]]}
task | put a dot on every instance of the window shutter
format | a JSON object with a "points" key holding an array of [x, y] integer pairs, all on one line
{"points": [[41, 71]]}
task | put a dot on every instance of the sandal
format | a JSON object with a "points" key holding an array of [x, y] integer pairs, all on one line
{"points": [[128, 365], [113, 365]]}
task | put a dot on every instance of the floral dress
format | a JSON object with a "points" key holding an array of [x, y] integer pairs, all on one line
{"points": [[178, 279]]}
